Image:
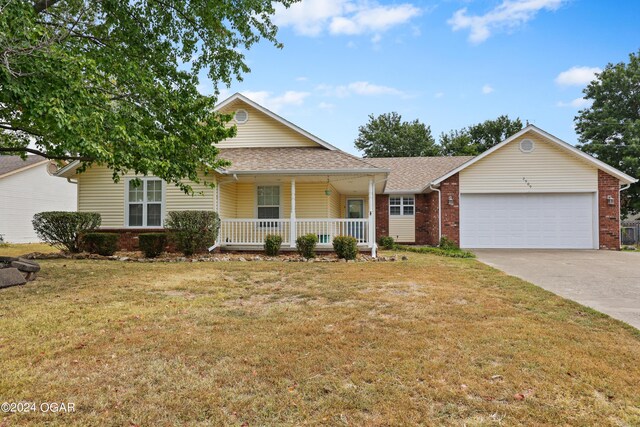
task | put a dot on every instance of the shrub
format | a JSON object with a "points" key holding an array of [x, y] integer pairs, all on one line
{"points": [[192, 231], [306, 245], [346, 247], [387, 242], [2, 242], [104, 244], [152, 244], [272, 243], [64, 229], [451, 253], [447, 244]]}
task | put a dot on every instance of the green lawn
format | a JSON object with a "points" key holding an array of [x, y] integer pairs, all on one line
{"points": [[431, 341], [17, 249]]}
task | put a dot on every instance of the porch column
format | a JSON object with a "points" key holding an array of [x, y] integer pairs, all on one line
{"points": [[292, 221], [372, 216], [217, 183]]}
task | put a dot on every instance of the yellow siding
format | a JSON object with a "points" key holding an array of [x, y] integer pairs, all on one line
{"points": [[547, 169], [228, 200], [311, 201], [246, 203], [334, 203], [262, 131], [402, 228], [98, 193]]}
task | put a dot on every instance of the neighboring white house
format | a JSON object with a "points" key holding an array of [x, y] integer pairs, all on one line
{"points": [[26, 188]]}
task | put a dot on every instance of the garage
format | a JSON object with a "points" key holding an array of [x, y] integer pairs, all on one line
{"points": [[547, 220]]}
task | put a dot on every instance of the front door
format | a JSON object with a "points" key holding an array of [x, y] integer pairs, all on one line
{"points": [[355, 210]]}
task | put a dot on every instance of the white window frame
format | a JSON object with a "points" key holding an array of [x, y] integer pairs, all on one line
{"points": [[279, 206], [145, 202], [402, 204]]}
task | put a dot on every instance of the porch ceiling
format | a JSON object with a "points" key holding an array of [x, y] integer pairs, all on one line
{"points": [[344, 184]]}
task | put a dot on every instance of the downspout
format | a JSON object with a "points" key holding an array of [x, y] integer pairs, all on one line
{"points": [[431, 187], [71, 182], [619, 223]]}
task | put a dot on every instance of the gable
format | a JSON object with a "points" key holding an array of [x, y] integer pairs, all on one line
{"points": [[261, 130], [548, 168]]}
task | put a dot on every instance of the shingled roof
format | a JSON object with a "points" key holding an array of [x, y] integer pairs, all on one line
{"points": [[303, 159], [413, 174], [10, 164]]}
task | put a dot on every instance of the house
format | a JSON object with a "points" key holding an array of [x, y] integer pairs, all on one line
{"points": [[631, 230], [530, 191], [26, 188]]}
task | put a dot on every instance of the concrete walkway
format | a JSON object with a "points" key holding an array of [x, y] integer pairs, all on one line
{"points": [[607, 281]]}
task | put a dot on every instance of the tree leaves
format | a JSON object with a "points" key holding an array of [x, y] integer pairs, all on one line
{"points": [[478, 138], [115, 83], [610, 128]]}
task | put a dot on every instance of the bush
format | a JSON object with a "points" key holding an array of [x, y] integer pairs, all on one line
{"points": [[105, 244], [2, 242], [65, 229], [306, 245], [387, 242], [152, 244], [346, 247], [193, 231], [272, 243], [447, 244]]}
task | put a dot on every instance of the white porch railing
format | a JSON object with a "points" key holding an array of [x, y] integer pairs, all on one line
{"points": [[251, 232]]}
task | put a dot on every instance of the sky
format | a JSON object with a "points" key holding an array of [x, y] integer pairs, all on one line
{"points": [[448, 63]]}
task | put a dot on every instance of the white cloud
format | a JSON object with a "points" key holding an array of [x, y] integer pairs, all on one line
{"points": [[301, 79], [276, 103], [359, 88], [343, 17], [577, 76], [487, 89], [576, 103], [326, 106], [509, 14]]}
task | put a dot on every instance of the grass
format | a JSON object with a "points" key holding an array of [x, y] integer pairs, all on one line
{"points": [[429, 341], [17, 249], [447, 252]]}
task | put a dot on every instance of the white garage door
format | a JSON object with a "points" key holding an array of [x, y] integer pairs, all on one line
{"points": [[563, 221]]}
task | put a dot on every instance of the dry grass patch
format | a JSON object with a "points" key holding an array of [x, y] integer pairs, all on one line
{"points": [[432, 341], [17, 249]]}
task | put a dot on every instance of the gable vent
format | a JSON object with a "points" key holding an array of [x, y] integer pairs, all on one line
{"points": [[526, 145], [241, 116]]}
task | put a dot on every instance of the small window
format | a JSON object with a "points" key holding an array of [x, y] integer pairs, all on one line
{"points": [[144, 203], [241, 116], [268, 204], [402, 206]]}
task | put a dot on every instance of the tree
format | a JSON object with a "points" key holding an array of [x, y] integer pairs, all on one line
{"points": [[114, 83], [388, 136], [610, 128], [478, 138]]}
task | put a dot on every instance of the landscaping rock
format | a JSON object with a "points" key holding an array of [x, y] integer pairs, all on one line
{"points": [[26, 267], [11, 277]]}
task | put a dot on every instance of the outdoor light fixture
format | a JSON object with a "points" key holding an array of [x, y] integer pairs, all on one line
{"points": [[451, 200], [327, 191], [610, 200]]}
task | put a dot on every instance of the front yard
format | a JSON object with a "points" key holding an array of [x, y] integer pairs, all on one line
{"points": [[434, 341]]}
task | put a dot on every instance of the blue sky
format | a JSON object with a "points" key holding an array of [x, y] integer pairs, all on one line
{"points": [[448, 63]]}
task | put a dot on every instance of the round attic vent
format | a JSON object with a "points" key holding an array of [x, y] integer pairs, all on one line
{"points": [[241, 116], [526, 145]]}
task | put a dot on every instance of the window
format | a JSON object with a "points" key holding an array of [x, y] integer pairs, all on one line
{"points": [[144, 203], [402, 205], [268, 204]]}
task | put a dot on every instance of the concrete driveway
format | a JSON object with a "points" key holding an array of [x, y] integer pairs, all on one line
{"points": [[607, 281]]}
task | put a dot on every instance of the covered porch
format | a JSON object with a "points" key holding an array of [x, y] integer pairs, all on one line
{"points": [[252, 206]]}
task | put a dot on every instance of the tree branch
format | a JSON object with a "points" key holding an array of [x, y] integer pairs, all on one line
{"points": [[42, 5], [43, 154]]}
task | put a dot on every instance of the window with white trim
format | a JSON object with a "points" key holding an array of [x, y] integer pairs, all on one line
{"points": [[268, 202], [402, 205], [145, 202]]}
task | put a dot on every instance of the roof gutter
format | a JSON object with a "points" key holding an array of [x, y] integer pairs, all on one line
{"points": [[305, 172]]}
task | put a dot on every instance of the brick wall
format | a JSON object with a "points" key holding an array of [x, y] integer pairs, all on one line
{"points": [[608, 215], [451, 213], [128, 240], [382, 215], [427, 219]]}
